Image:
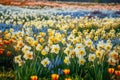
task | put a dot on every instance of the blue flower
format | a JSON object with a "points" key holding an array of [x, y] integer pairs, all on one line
{"points": [[60, 71]]}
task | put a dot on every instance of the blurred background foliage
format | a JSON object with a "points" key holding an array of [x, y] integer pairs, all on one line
{"points": [[98, 1]]}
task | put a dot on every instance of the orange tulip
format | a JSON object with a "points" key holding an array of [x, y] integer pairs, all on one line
{"points": [[55, 76], [6, 42], [33, 78], [66, 71], [117, 72], [119, 67], [11, 40], [111, 70], [1, 43], [68, 79], [8, 53], [1, 51]]}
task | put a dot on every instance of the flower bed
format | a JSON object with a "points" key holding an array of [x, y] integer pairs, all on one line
{"points": [[57, 47]]}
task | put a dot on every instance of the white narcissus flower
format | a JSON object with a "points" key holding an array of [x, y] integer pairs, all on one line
{"points": [[108, 46], [72, 53], [70, 37], [88, 42], [113, 54], [28, 55], [80, 52], [100, 44], [45, 62], [47, 48], [81, 61], [66, 51], [55, 49], [17, 58], [78, 46], [112, 61], [67, 60], [26, 48], [91, 57]]}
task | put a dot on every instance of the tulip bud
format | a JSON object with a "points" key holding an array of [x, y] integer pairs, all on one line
{"points": [[119, 67], [117, 72], [33, 78], [66, 71], [1, 51], [111, 70], [54, 76], [8, 53]]}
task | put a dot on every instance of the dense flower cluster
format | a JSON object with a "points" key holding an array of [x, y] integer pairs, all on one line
{"points": [[57, 45]]}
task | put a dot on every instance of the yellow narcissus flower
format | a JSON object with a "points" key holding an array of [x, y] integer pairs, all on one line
{"points": [[51, 32], [20, 44], [99, 53], [39, 47], [7, 36], [44, 52], [58, 36], [11, 30], [75, 40], [45, 62], [17, 48], [56, 40], [96, 38], [41, 40], [6, 32], [29, 40], [67, 60], [63, 41], [35, 43], [50, 42], [55, 49], [42, 34]]}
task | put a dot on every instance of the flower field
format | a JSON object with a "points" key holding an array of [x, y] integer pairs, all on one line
{"points": [[50, 44]]}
